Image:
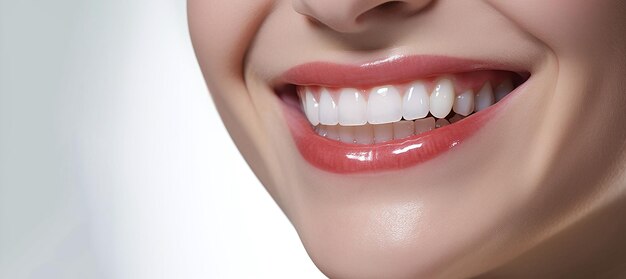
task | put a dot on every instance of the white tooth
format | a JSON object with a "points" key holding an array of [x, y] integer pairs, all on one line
{"points": [[415, 103], [383, 132], [464, 103], [364, 134], [332, 132], [352, 108], [403, 129], [442, 98], [321, 130], [441, 122], [424, 125], [328, 109], [311, 107], [346, 134], [503, 89], [384, 105], [484, 98]]}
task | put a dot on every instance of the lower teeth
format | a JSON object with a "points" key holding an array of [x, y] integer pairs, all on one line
{"points": [[370, 133]]}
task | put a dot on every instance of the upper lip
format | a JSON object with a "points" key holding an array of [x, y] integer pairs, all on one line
{"points": [[394, 69]]}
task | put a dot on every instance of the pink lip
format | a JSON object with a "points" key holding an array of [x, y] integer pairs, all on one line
{"points": [[339, 157], [396, 69]]}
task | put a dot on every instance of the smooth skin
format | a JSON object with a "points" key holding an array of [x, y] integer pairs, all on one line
{"points": [[537, 193]]}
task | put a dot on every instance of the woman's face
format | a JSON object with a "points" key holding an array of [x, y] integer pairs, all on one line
{"points": [[341, 107]]}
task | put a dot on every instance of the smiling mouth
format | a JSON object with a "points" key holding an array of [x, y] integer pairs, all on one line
{"points": [[393, 113]]}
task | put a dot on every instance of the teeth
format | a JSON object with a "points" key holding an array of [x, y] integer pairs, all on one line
{"points": [[321, 130], [403, 129], [442, 99], [424, 125], [383, 132], [332, 132], [384, 105], [328, 112], [311, 107], [485, 97], [441, 122], [464, 103], [346, 134], [364, 134], [415, 103], [456, 118], [352, 108], [350, 116], [503, 89]]}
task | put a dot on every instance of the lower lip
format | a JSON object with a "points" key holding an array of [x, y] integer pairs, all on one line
{"points": [[343, 158]]}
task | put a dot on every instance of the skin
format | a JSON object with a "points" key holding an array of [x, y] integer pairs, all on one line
{"points": [[538, 192]]}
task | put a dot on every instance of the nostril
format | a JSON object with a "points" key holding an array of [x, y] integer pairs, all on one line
{"points": [[387, 9], [390, 6], [314, 21]]}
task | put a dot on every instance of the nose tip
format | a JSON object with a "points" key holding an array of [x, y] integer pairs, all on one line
{"points": [[352, 16]]}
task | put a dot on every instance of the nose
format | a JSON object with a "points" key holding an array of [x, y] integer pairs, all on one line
{"points": [[353, 16]]}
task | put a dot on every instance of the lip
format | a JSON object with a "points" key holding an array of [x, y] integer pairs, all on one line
{"points": [[395, 69], [343, 158]]}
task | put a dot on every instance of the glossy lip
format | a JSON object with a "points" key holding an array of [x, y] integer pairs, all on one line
{"points": [[338, 157], [392, 70], [343, 158]]}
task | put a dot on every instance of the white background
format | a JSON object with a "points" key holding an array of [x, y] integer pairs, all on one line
{"points": [[113, 160]]}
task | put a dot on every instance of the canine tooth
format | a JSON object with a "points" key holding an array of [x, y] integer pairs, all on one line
{"points": [[503, 89], [441, 122], [328, 112], [415, 103], [346, 134], [364, 134], [424, 125], [403, 129], [383, 132], [484, 98], [384, 105], [332, 132], [352, 108], [311, 107], [464, 103], [442, 98]]}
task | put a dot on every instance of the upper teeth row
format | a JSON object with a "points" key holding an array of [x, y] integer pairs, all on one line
{"points": [[387, 104]]}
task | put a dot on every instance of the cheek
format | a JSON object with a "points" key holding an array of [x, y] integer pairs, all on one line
{"points": [[566, 25], [221, 31]]}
